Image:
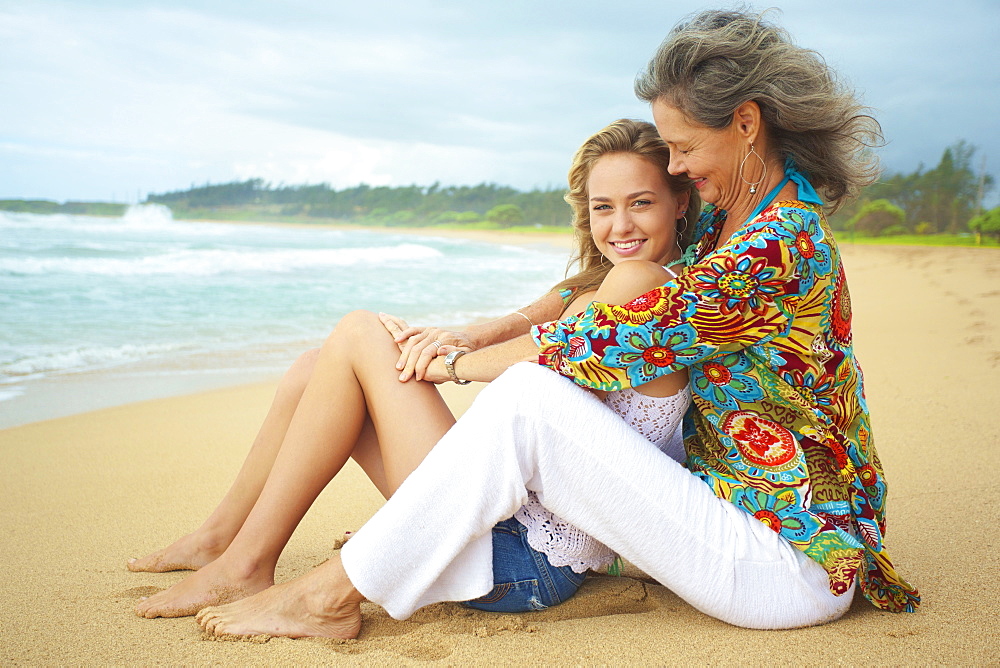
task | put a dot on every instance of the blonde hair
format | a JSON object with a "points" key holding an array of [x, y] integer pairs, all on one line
{"points": [[623, 136], [716, 60]]}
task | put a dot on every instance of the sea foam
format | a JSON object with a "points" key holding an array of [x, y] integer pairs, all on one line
{"points": [[213, 262], [144, 294]]}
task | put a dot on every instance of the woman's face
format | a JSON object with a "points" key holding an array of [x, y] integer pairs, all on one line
{"points": [[633, 212], [711, 158]]}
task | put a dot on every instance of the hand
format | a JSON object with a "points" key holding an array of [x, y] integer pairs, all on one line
{"points": [[417, 347]]}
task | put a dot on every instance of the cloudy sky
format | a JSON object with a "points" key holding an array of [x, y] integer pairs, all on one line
{"points": [[114, 99]]}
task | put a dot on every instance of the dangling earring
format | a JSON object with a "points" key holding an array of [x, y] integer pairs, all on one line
{"points": [[679, 232], [602, 260], [753, 186], [680, 249]]}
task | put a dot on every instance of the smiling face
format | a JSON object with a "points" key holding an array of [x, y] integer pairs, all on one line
{"points": [[633, 212], [709, 157]]}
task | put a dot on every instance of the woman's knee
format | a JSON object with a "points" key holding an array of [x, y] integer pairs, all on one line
{"points": [[355, 325], [628, 280]]}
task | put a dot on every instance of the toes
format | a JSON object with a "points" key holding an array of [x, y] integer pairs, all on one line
{"points": [[150, 607], [206, 618], [142, 565], [209, 622], [204, 615]]}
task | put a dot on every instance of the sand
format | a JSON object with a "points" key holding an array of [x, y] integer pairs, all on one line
{"points": [[84, 493]]}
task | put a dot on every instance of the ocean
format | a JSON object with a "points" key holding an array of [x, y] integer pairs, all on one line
{"points": [[96, 312]]}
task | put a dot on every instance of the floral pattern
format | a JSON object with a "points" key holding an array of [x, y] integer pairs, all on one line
{"points": [[646, 353], [737, 283], [723, 381], [782, 516], [779, 425]]}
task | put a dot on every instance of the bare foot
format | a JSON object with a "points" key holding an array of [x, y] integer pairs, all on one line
{"points": [[321, 603], [217, 583], [186, 554]]}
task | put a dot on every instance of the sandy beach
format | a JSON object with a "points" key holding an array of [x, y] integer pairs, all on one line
{"points": [[86, 492]]}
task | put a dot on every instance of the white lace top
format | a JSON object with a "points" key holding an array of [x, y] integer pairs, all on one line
{"points": [[656, 418]]}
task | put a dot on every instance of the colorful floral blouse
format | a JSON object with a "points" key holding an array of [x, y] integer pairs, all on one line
{"points": [[779, 425]]}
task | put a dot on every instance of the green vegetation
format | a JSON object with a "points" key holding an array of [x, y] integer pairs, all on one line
{"points": [[75, 208], [939, 206], [916, 240], [405, 206], [935, 205], [876, 217], [987, 224]]}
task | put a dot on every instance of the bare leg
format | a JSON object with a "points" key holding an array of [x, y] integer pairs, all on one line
{"points": [[296, 609], [213, 537], [354, 380]]}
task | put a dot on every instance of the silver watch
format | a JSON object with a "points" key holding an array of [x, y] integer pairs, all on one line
{"points": [[449, 364]]}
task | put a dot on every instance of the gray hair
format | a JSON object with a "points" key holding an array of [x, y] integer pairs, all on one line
{"points": [[716, 60]]}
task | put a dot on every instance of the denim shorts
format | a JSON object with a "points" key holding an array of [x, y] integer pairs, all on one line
{"points": [[523, 578]]}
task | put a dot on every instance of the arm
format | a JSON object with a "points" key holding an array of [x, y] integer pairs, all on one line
{"points": [[486, 364], [744, 294], [547, 307], [415, 343]]}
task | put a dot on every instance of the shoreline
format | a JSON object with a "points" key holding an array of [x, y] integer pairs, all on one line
{"points": [[72, 393], [547, 239]]}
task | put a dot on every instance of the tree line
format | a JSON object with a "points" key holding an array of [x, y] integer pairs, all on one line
{"points": [[380, 205], [44, 206], [944, 199]]}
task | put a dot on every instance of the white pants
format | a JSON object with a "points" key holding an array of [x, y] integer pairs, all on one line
{"points": [[533, 430]]}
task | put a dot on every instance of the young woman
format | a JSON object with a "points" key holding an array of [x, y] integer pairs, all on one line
{"points": [[346, 400]]}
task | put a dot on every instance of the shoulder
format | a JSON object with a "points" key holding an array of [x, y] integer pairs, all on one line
{"points": [[802, 228], [792, 222], [790, 211], [710, 215]]}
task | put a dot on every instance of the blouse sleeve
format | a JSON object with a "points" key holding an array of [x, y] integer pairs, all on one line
{"points": [[741, 295], [567, 295]]}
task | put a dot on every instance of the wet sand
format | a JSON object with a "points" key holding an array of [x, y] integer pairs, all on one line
{"points": [[84, 493]]}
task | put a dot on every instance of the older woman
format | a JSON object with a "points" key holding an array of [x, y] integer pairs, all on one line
{"points": [[778, 514]]}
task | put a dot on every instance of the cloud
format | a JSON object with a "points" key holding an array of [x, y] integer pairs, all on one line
{"points": [[151, 96]]}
